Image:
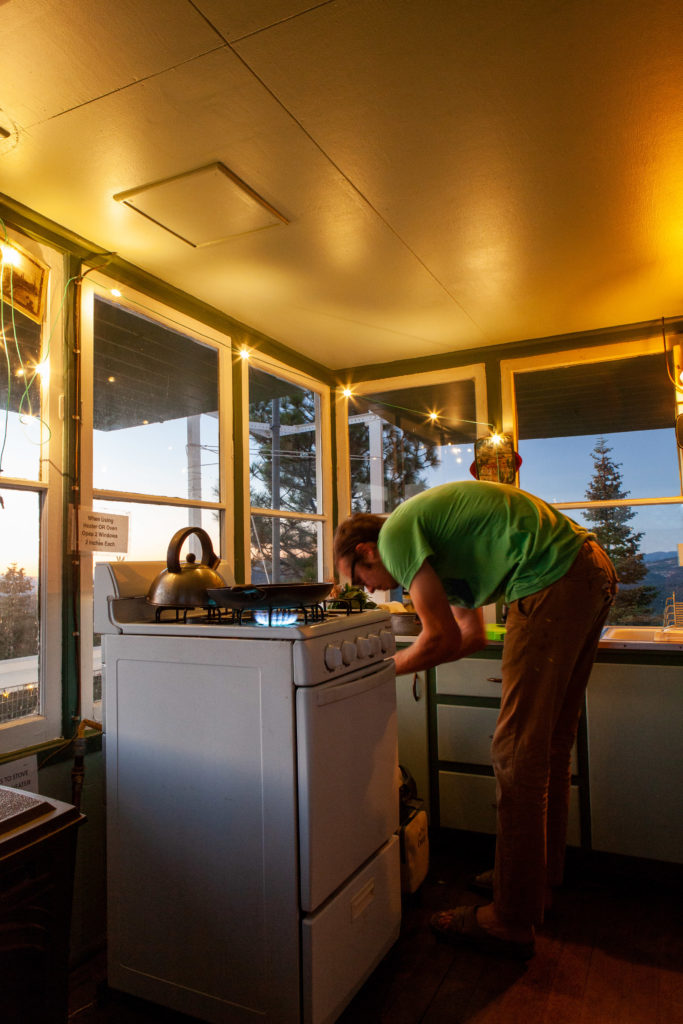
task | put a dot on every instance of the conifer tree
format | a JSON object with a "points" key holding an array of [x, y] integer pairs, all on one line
{"points": [[18, 614], [620, 541]]}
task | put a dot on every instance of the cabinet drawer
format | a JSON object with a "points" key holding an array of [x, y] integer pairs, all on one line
{"points": [[468, 802], [465, 734], [471, 677]]}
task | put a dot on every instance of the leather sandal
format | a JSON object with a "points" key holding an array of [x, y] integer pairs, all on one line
{"points": [[460, 927]]}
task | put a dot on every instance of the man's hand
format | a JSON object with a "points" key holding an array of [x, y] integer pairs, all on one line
{"points": [[448, 633]]}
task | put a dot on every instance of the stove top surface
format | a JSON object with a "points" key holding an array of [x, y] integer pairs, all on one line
{"points": [[199, 623], [121, 606]]}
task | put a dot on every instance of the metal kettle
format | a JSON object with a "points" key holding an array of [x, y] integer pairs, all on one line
{"points": [[185, 586]]}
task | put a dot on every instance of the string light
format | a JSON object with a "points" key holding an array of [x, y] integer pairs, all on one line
{"points": [[244, 352], [10, 256], [115, 292], [347, 392]]}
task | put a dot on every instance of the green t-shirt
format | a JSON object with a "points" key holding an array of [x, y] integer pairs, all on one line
{"points": [[484, 540]]}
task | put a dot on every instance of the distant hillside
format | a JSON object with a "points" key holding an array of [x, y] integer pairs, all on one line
{"points": [[660, 556], [666, 575]]}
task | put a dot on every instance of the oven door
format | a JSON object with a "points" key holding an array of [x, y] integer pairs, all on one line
{"points": [[347, 754]]}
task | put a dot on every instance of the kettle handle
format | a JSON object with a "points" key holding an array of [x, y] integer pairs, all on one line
{"points": [[177, 541]]}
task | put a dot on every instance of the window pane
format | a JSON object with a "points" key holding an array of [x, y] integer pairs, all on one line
{"points": [[19, 606], [643, 542], [155, 408], [398, 449], [285, 550], [151, 527], [561, 468], [561, 414], [20, 423], [283, 444]]}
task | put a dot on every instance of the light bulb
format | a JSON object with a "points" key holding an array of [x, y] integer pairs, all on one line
{"points": [[347, 392], [10, 256], [44, 370]]}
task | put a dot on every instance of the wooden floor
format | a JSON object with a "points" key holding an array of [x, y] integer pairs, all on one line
{"points": [[613, 954]]}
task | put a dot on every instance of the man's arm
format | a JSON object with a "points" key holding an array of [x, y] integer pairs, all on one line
{"points": [[448, 633]]}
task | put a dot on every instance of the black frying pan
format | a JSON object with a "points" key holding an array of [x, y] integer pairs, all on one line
{"points": [[269, 595]]}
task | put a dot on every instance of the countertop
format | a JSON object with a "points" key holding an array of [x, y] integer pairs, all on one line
{"points": [[623, 639]]}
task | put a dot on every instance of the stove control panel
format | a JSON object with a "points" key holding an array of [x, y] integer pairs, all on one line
{"points": [[335, 655]]}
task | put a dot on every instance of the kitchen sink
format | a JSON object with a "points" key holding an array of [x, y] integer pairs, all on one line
{"points": [[642, 636], [632, 633]]}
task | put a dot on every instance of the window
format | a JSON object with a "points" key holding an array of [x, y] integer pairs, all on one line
{"points": [[408, 434], [597, 439], [288, 430], [30, 493], [159, 394]]}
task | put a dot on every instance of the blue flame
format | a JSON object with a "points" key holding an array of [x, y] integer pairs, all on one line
{"points": [[276, 617]]}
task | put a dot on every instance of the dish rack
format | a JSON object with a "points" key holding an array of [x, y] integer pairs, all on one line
{"points": [[673, 612]]}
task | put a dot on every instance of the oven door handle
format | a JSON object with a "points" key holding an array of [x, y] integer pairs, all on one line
{"points": [[342, 689]]}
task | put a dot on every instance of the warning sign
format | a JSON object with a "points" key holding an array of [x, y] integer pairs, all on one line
{"points": [[102, 531]]}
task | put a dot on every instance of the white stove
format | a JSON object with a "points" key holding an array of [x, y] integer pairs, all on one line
{"points": [[252, 802]]}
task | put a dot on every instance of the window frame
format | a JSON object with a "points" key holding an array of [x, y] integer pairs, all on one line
{"points": [[24, 733], [472, 371], [608, 352], [323, 459], [99, 286]]}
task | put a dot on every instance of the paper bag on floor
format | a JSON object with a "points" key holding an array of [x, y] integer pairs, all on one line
{"points": [[414, 836]]}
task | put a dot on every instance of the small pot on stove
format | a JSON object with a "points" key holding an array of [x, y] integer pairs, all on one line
{"points": [[185, 585]]}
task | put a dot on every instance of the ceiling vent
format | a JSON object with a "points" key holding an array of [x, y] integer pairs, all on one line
{"points": [[203, 207]]}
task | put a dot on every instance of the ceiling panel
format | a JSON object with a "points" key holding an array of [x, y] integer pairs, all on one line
{"points": [[56, 57], [334, 284], [235, 18]]}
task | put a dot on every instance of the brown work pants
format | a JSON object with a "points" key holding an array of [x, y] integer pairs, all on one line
{"points": [[550, 644]]}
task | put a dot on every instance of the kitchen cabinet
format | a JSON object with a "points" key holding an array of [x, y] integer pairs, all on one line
{"points": [[412, 702], [635, 754], [467, 701]]}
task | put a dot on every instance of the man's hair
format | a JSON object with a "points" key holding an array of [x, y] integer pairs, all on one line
{"points": [[357, 529]]}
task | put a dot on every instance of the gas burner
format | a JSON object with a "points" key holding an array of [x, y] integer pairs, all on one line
{"points": [[276, 617], [267, 616], [171, 613]]}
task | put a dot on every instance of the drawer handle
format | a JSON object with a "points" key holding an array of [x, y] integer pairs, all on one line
{"points": [[416, 687], [494, 679]]}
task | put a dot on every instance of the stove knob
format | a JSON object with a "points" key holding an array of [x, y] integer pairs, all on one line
{"points": [[375, 644], [348, 652], [363, 644], [333, 657], [388, 641]]}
